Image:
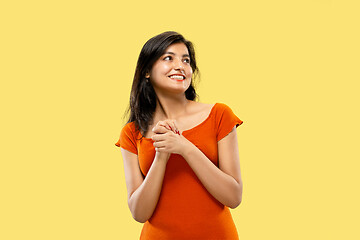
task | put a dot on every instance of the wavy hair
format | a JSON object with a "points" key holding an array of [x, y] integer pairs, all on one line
{"points": [[143, 97]]}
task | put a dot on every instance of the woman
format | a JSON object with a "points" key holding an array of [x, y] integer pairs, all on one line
{"points": [[180, 156]]}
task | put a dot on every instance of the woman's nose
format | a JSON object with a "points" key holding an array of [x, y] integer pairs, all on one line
{"points": [[178, 64]]}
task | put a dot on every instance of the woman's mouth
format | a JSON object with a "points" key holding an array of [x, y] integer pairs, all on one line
{"points": [[177, 77]]}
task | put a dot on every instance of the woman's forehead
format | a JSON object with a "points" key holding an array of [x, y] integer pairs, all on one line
{"points": [[177, 49]]}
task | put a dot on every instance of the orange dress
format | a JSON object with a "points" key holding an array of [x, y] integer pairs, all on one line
{"points": [[186, 210]]}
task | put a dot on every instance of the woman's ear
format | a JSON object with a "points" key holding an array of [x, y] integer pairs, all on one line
{"points": [[147, 75]]}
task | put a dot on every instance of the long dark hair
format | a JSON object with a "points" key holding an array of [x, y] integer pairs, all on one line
{"points": [[142, 97]]}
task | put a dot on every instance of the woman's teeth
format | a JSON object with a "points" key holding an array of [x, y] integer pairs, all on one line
{"points": [[177, 77]]}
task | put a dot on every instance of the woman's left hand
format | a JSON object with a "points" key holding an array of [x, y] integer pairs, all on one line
{"points": [[170, 142]]}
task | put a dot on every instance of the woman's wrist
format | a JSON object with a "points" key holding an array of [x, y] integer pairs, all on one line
{"points": [[187, 147], [162, 156]]}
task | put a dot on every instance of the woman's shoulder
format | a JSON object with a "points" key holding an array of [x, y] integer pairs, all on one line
{"points": [[211, 110], [213, 107], [129, 126], [202, 104], [199, 106], [130, 129]]}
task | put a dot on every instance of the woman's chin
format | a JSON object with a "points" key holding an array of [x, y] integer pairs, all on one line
{"points": [[172, 90]]}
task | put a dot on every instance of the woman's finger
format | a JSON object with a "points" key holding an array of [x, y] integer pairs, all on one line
{"points": [[173, 125], [158, 137], [168, 124], [160, 129], [161, 149], [159, 144], [165, 124]]}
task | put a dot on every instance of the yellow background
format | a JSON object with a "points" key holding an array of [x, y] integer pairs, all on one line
{"points": [[288, 69]]}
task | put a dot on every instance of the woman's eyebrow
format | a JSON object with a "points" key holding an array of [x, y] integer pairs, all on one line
{"points": [[185, 55]]}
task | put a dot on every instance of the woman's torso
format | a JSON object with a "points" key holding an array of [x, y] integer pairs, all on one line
{"points": [[186, 210]]}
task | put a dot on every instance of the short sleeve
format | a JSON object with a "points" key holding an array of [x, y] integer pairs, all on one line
{"points": [[225, 121], [127, 140]]}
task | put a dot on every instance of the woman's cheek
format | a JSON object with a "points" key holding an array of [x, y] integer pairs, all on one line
{"points": [[166, 68]]}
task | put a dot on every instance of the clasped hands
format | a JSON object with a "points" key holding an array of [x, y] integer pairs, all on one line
{"points": [[168, 139]]}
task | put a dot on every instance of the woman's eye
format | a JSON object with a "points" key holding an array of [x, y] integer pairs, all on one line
{"points": [[187, 60], [167, 58]]}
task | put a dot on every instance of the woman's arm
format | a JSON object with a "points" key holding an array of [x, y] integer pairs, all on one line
{"points": [[143, 194], [223, 183]]}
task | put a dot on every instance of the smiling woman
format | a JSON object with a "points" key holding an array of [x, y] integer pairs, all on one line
{"points": [[180, 156], [172, 72]]}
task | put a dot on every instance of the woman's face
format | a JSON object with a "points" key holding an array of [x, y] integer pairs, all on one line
{"points": [[172, 72]]}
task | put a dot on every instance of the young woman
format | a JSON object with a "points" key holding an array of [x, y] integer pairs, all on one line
{"points": [[180, 156]]}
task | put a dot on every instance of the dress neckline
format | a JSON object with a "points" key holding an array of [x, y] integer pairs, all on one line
{"points": [[196, 126]]}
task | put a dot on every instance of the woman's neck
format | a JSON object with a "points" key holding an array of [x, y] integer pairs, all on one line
{"points": [[170, 107]]}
